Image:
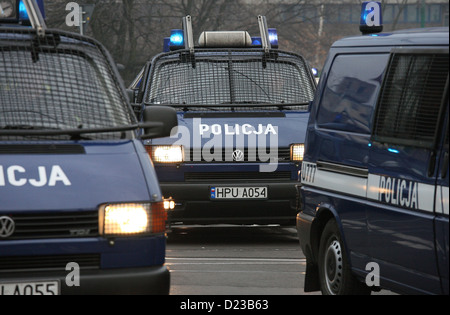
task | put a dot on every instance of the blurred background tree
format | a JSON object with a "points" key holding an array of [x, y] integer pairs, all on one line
{"points": [[133, 30]]}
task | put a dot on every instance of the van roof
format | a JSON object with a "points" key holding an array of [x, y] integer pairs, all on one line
{"points": [[409, 37]]}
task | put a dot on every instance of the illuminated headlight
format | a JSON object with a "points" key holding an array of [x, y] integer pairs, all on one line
{"points": [[297, 152], [167, 154], [169, 204], [132, 218]]}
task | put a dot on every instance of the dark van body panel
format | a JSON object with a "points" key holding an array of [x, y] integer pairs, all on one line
{"points": [[387, 194]]}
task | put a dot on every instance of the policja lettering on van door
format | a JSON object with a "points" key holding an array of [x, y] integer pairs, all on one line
{"points": [[398, 191], [16, 175]]}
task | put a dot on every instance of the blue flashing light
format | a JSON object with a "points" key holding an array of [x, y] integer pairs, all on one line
{"points": [[256, 41], [371, 14], [393, 150], [273, 37], [371, 18], [23, 14], [315, 71], [176, 38]]}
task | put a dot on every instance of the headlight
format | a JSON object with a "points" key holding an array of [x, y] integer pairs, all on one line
{"points": [[132, 218], [297, 152], [167, 153]]}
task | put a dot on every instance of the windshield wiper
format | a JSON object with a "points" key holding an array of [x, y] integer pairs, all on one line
{"points": [[25, 130], [249, 102], [22, 130], [188, 107], [26, 127]]}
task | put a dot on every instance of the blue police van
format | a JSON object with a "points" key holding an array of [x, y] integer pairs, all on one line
{"points": [[81, 210], [374, 196], [240, 102]]}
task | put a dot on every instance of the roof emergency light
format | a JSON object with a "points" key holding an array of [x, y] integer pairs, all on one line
{"points": [[273, 37], [23, 14], [256, 41], [225, 39], [180, 38], [371, 18], [176, 38]]}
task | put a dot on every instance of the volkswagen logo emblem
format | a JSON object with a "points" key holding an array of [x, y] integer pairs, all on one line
{"points": [[6, 227], [238, 156]]}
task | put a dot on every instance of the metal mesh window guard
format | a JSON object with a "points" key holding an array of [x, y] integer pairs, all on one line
{"points": [[411, 101], [223, 77], [58, 82]]}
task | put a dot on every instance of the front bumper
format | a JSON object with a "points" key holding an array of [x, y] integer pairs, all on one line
{"points": [[194, 205], [154, 280]]}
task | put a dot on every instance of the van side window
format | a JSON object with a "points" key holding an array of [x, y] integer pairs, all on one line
{"points": [[351, 92], [410, 104]]}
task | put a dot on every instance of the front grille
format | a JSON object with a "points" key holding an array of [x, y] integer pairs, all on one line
{"points": [[54, 225], [244, 176], [226, 155], [50, 262]]}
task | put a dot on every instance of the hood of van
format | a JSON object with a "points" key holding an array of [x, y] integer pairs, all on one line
{"points": [[239, 129], [71, 176]]}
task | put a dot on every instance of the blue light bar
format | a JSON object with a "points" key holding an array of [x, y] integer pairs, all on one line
{"points": [[177, 38], [371, 19], [273, 37], [23, 14], [393, 150], [256, 41]]}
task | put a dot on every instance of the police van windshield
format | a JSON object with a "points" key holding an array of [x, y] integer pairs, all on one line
{"points": [[218, 79], [58, 86]]}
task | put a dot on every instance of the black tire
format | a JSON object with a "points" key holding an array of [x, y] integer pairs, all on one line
{"points": [[334, 270]]}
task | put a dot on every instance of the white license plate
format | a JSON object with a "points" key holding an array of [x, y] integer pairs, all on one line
{"points": [[238, 192], [30, 288]]}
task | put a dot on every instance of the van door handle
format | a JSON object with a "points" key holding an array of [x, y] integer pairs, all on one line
{"points": [[444, 165], [432, 164]]}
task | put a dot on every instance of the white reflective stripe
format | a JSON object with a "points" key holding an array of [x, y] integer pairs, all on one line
{"points": [[438, 204], [373, 188], [442, 200], [426, 197], [348, 184], [388, 190]]}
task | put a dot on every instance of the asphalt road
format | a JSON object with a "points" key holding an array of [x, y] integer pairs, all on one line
{"points": [[236, 260]]}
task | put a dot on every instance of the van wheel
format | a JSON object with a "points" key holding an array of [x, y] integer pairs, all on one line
{"points": [[334, 270]]}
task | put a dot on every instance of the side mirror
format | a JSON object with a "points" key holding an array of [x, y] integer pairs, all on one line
{"points": [[137, 108], [158, 121], [130, 94]]}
